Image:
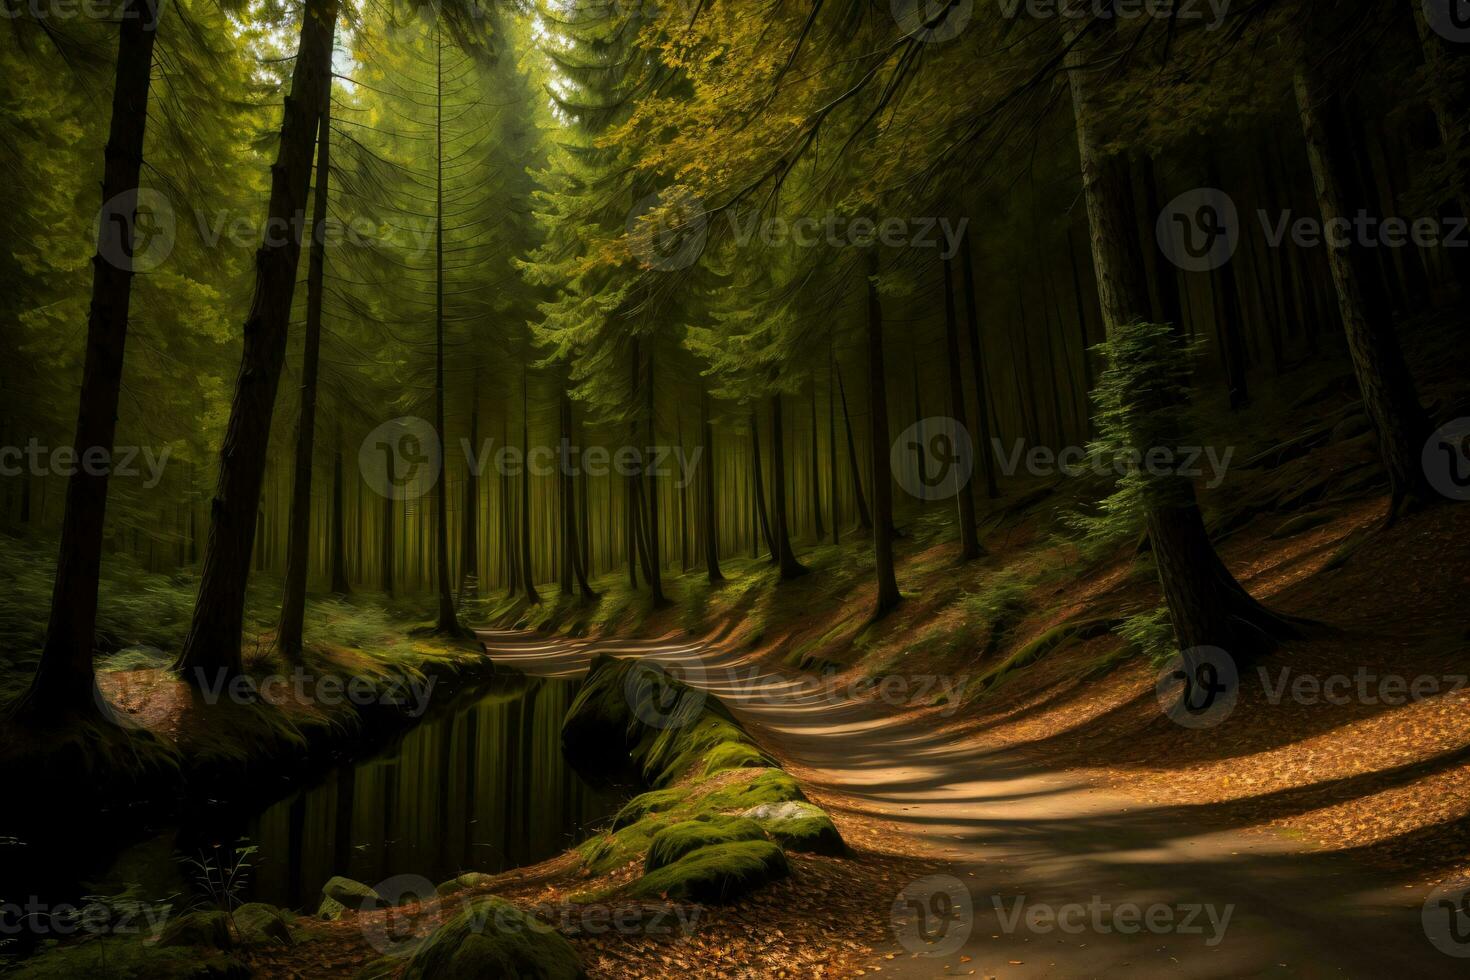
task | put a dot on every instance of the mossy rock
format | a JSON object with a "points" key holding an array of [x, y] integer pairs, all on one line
{"points": [[772, 786], [342, 895], [647, 804], [258, 924], [209, 930], [674, 842], [799, 827], [716, 874], [466, 881], [490, 937], [129, 958]]}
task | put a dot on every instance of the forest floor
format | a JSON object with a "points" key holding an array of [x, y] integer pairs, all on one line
{"points": [[1339, 784]]}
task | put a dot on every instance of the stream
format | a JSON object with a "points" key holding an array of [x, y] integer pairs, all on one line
{"points": [[480, 787]]}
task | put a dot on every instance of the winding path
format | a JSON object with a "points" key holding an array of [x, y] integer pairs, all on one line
{"points": [[1061, 877]]}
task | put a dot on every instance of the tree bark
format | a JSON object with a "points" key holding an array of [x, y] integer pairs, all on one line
{"points": [[710, 530], [760, 488], [64, 681], [654, 571], [969, 538], [865, 519], [1389, 395], [816, 471], [448, 623], [834, 503], [338, 560], [213, 642], [1207, 606], [572, 553], [469, 559], [790, 567], [289, 636], [888, 594], [527, 576]]}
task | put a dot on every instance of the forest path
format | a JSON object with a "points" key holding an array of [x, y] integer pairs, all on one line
{"points": [[1055, 869]]}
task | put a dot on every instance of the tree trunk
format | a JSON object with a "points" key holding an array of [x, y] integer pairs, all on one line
{"points": [[572, 552], [213, 642], [834, 506], [528, 577], [683, 502], [865, 519], [289, 635], [760, 488], [1389, 395], [469, 559], [969, 539], [1207, 606], [64, 679], [338, 561], [888, 594], [710, 529], [816, 471], [790, 567], [387, 542], [654, 570], [448, 623]]}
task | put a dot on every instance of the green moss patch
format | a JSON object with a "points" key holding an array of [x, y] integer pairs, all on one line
{"points": [[128, 958], [674, 842], [716, 874], [493, 938], [799, 827]]}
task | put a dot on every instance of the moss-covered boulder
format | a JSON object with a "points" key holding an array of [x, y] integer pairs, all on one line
{"points": [[674, 842], [716, 874], [342, 895], [647, 804], [129, 958], [490, 937], [466, 881], [258, 924], [799, 827], [209, 930]]}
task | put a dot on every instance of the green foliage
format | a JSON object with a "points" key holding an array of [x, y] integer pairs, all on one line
{"points": [[1140, 401], [1151, 632]]}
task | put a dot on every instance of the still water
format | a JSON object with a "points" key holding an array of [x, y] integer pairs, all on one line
{"points": [[481, 787]]}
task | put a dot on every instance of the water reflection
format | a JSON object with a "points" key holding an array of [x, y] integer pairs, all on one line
{"points": [[482, 789]]}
